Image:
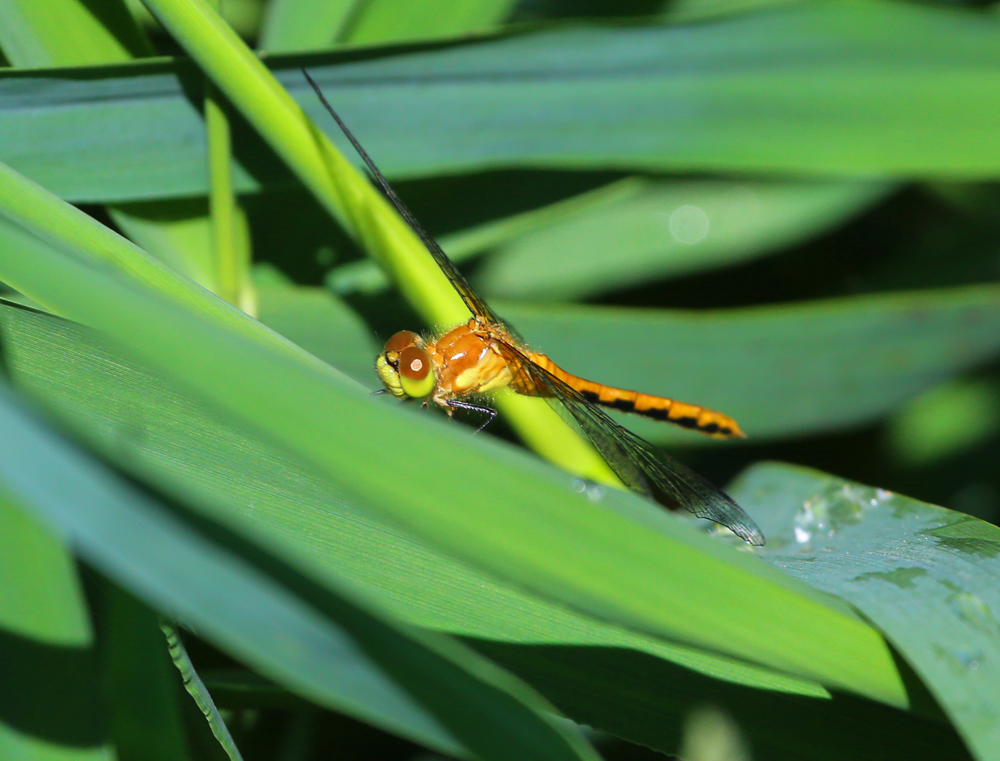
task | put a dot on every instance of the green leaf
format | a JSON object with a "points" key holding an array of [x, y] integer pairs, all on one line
{"points": [[924, 575], [769, 92], [779, 370], [321, 640], [948, 419], [317, 321], [666, 229], [298, 25], [198, 692], [402, 20], [143, 687], [230, 234], [43, 33], [51, 698], [634, 230], [599, 674]]}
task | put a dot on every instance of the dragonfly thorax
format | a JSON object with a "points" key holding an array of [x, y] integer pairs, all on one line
{"points": [[463, 361], [468, 362]]}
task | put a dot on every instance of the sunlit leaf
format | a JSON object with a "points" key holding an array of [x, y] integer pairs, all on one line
{"points": [[924, 575]]}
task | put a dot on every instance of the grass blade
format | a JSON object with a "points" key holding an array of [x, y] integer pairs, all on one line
{"points": [[250, 607], [925, 575], [50, 704], [528, 528]]}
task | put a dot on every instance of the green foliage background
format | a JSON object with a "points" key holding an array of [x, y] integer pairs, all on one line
{"points": [[215, 543]]}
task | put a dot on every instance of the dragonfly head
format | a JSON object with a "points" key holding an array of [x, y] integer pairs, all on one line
{"points": [[405, 366]]}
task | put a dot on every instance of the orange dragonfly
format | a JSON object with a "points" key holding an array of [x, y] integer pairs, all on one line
{"points": [[484, 354]]}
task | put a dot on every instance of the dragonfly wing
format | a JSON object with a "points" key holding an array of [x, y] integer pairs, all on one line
{"points": [[472, 300], [640, 465]]}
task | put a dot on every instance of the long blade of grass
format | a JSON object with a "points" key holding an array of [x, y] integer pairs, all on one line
{"points": [[752, 93], [925, 575], [198, 692], [324, 641], [526, 527]]}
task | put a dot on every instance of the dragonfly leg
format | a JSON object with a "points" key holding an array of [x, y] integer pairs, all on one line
{"points": [[455, 404], [380, 391]]}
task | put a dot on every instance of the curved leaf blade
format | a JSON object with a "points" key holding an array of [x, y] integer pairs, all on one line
{"points": [[526, 527], [325, 642], [926, 576], [668, 229], [751, 93]]}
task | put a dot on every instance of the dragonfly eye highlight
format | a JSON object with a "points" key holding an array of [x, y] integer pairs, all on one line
{"points": [[416, 373]]}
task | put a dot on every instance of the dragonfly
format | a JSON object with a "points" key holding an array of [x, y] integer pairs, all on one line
{"points": [[485, 354]]}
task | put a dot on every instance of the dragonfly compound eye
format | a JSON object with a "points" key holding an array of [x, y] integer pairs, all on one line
{"points": [[416, 373], [404, 339]]}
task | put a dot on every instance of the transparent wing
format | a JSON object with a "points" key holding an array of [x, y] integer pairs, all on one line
{"points": [[640, 465], [472, 300]]}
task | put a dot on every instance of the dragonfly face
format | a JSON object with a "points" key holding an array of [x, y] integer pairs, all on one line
{"points": [[483, 355], [405, 367]]}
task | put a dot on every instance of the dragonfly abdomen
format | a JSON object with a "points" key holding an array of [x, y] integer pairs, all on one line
{"points": [[649, 406]]}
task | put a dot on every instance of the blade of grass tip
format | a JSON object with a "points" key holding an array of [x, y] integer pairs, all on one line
{"points": [[363, 211], [231, 241], [198, 691]]}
